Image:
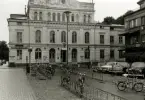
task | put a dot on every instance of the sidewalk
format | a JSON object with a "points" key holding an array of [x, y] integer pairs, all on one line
{"points": [[14, 85], [50, 89]]}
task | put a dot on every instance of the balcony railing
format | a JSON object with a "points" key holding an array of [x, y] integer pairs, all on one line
{"points": [[137, 45]]}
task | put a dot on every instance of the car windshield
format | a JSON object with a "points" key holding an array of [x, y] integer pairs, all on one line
{"points": [[124, 64], [110, 63]]}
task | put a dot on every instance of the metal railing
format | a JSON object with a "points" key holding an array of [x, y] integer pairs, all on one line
{"points": [[98, 94], [89, 93]]}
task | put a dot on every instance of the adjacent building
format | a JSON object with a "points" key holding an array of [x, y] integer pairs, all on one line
{"points": [[135, 34], [44, 29]]}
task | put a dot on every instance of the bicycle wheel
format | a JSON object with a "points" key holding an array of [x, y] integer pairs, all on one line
{"points": [[121, 86], [138, 87]]}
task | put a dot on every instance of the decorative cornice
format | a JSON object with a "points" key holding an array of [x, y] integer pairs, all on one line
{"points": [[56, 8]]}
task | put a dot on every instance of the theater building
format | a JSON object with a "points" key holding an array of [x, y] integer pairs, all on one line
{"points": [[43, 28]]}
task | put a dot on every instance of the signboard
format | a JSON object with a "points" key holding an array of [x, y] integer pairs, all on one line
{"points": [[64, 48]]}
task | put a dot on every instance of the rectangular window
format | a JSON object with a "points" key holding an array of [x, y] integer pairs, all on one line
{"points": [[102, 54], [131, 24], [19, 23], [111, 28], [120, 40], [134, 23], [120, 54], [19, 54], [143, 20], [19, 37], [40, 16], [101, 39], [111, 39], [143, 38], [112, 54]]}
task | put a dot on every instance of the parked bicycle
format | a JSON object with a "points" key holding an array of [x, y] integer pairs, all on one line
{"points": [[133, 84]]}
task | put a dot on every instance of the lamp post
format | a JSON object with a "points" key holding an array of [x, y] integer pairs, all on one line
{"points": [[29, 47], [67, 16]]}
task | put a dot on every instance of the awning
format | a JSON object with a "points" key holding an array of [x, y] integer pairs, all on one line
{"points": [[130, 32]]}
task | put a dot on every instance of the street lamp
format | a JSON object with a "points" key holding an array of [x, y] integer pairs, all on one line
{"points": [[67, 16], [29, 48]]}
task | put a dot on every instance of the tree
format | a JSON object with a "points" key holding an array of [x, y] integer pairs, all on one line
{"points": [[119, 20], [4, 51], [108, 20]]}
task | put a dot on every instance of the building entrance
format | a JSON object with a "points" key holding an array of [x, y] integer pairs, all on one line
{"points": [[63, 55]]}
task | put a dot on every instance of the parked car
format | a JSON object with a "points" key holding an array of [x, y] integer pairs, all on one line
{"points": [[114, 67], [136, 69]]}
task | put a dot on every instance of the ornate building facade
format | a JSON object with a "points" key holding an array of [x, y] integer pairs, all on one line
{"points": [[44, 29]]}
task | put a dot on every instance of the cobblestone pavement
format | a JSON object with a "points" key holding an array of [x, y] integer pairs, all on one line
{"points": [[14, 85], [50, 89]]}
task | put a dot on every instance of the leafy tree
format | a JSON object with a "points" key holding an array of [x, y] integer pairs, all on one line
{"points": [[4, 51], [119, 20], [108, 20]]}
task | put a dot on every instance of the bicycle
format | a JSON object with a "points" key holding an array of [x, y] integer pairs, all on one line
{"points": [[123, 85]]}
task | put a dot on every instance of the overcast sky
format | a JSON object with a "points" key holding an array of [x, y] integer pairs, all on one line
{"points": [[103, 8]]}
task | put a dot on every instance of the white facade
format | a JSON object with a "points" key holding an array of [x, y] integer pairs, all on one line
{"points": [[43, 32]]}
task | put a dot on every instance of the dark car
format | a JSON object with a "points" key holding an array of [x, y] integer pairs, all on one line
{"points": [[136, 69]]}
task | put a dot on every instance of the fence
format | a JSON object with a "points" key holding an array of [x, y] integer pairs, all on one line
{"points": [[89, 93]]}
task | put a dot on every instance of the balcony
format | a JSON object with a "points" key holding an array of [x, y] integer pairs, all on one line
{"points": [[136, 45], [131, 31]]}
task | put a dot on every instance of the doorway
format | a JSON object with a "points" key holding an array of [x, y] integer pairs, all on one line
{"points": [[63, 55]]}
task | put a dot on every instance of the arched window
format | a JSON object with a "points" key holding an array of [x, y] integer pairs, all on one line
{"points": [[58, 17], [87, 37], [35, 16], [38, 36], [40, 16], [74, 55], [54, 17], [63, 36], [72, 18], [63, 17], [74, 37], [52, 55], [87, 53], [77, 18], [89, 18], [52, 37], [49, 16], [84, 18], [38, 54]]}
